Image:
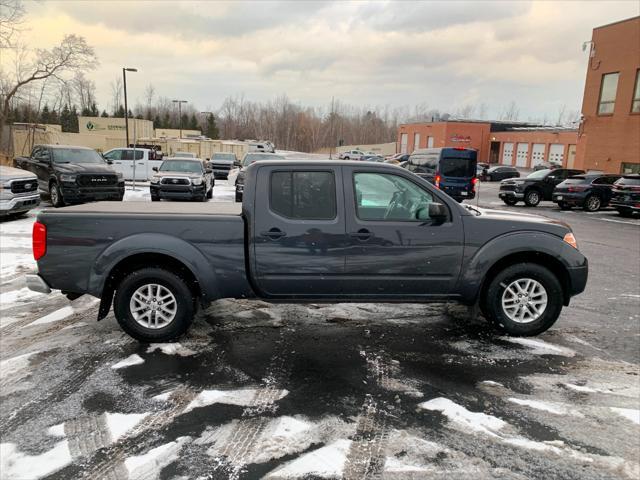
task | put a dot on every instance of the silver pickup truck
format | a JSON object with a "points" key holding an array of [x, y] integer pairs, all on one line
{"points": [[18, 191]]}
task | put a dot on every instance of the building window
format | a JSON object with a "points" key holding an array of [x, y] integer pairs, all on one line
{"points": [[635, 105], [608, 90]]}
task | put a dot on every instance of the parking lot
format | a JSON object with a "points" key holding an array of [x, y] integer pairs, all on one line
{"points": [[353, 391]]}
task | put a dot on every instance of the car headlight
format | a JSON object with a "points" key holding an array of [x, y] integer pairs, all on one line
{"points": [[155, 179], [67, 178], [120, 176], [196, 181]]}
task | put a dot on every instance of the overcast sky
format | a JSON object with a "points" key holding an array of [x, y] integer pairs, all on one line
{"points": [[444, 54]]}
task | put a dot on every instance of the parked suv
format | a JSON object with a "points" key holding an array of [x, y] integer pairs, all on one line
{"points": [[221, 163], [71, 174], [18, 191], [182, 179], [626, 195], [351, 155], [534, 188], [500, 172], [591, 191]]}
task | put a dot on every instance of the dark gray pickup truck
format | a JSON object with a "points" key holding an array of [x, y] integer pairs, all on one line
{"points": [[317, 231]]}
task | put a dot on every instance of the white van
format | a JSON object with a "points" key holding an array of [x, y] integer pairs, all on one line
{"points": [[122, 162], [263, 147]]}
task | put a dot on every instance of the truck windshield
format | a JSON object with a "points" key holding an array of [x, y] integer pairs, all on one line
{"points": [[181, 166], [457, 167], [224, 156], [76, 155], [255, 157]]}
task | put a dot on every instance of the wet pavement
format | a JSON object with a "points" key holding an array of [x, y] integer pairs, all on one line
{"points": [[308, 391]]}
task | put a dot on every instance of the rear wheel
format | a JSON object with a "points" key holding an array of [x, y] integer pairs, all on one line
{"points": [[510, 201], [524, 299], [154, 305], [155, 198], [593, 203], [532, 198]]}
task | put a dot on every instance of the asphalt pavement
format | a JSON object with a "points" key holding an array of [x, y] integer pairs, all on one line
{"points": [[353, 391]]}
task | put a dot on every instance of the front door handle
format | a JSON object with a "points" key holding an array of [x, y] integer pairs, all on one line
{"points": [[363, 234], [274, 234]]}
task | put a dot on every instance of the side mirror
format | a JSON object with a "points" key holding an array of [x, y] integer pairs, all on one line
{"points": [[438, 212], [155, 169]]}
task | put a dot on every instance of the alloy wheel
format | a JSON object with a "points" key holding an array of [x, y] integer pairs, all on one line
{"points": [[153, 306], [524, 300]]}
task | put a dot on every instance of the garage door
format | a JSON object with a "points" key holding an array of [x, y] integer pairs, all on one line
{"points": [[556, 153], [416, 140], [507, 154], [521, 154], [429, 142], [403, 142], [537, 154]]}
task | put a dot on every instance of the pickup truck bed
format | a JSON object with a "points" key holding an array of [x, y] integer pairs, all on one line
{"points": [[155, 208]]}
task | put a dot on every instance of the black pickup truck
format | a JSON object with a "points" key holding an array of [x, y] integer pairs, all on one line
{"points": [[535, 187], [72, 174], [318, 231]]}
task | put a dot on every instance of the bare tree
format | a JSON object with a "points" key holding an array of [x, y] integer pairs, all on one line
{"points": [[511, 112], [73, 54], [116, 94], [11, 18], [561, 113], [85, 91]]}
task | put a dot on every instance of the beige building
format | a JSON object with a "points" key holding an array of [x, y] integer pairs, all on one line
{"points": [[115, 127], [175, 133]]}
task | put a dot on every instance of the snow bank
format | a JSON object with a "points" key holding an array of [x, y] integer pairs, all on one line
{"points": [[325, 462], [134, 359], [15, 464], [476, 421], [540, 347], [151, 463]]}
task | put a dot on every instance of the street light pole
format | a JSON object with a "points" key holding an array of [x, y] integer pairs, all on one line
{"points": [[180, 102], [126, 107]]}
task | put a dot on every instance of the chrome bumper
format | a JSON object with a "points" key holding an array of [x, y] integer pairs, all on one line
{"points": [[37, 284], [18, 203]]}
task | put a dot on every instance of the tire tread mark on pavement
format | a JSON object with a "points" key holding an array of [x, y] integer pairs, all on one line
{"points": [[236, 453], [366, 455]]}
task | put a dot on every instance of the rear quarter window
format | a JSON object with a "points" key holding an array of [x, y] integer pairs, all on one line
{"points": [[303, 195]]}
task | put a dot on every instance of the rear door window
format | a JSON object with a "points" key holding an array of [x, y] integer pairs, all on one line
{"points": [[303, 195]]}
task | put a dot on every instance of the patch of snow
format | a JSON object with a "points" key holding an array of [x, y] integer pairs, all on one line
{"points": [[134, 359], [11, 366], [541, 347], [57, 430], [476, 421], [75, 325], [163, 397], [79, 305], [6, 321], [628, 413], [18, 296], [395, 465], [14, 263], [554, 408], [121, 423], [170, 349], [581, 388], [243, 397], [13, 371], [491, 383], [325, 462], [140, 194], [151, 463], [19, 465]]}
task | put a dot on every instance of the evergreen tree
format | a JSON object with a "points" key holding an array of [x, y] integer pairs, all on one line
{"points": [[45, 116], [212, 129], [55, 118], [65, 119], [104, 114], [86, 112], [129, 114], [157, 123], [119, 113], [193, 122], [74, 120], [94, 110], [185, 121], [166, 121], [139, 116]]}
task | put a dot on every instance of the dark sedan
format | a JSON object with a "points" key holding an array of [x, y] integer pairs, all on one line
{"points": [[626, 195], [500, 172], [589, 191]]}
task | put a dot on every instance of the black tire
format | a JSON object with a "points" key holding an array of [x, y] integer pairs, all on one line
{"points": [[592, 203], [210, 193], [184, 299], [492, 301], [155, 198], [532, 198], [510, 201], [238, 197], [564, 206], [56, 195], [625, 212]]}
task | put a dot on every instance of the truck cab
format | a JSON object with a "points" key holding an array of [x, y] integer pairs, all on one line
{"points": [[128, 161]]}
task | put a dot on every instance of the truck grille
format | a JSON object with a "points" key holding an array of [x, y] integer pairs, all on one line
{"points": [[175, 181], [24, 186], [221, 166], [99, 180], [508, 188]]}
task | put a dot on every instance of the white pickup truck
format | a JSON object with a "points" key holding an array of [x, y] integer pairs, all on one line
{"points": [[145, 159]]}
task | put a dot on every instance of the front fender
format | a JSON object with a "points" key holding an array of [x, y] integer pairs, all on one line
{"points": [[534, 242], [159, 243]]}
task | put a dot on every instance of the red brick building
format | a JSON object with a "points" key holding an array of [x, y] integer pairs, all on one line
{"points": [[520, 144], [609, 135]]}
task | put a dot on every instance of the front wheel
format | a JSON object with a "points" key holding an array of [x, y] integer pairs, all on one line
{"points": [[592, 203], [154, 305], [510, 201], [524, 299], [210, 193], [238, 197], [532, 198], [56, 195]]}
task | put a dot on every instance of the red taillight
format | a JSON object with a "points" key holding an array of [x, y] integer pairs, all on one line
{"points": [[39, 240], [437, 181], [474, 180], [459, 148], [577, 189]]}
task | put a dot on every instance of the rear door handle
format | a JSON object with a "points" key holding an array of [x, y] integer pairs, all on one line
{"points": [[274, 234], [363, 234]]}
